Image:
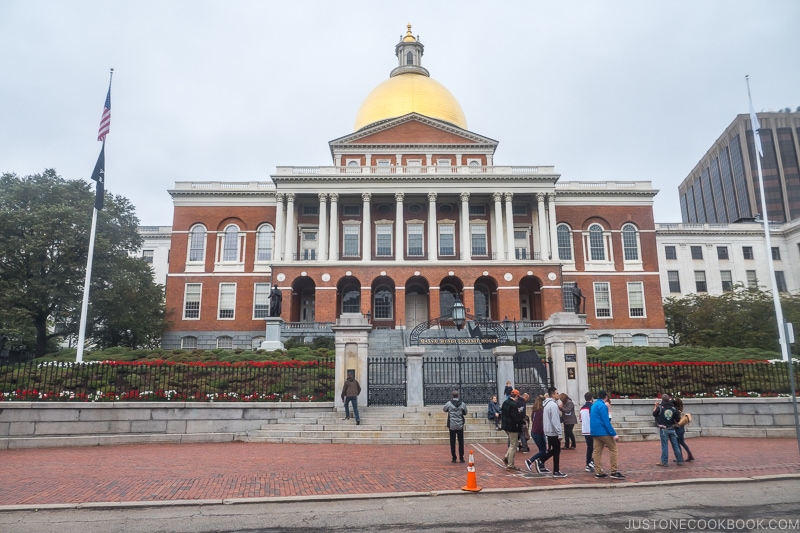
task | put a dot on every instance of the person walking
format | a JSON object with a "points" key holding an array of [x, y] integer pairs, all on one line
{"points": [[552, 430], [570, 419], [512, 424], [537, 435], [493, 412], [524, 434], [680, 430], [667, 415], [456, 411], [603, 436], [350, 393], [586, 430]]}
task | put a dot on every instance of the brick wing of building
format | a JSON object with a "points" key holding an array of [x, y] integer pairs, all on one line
{"points": [[412, 213]]}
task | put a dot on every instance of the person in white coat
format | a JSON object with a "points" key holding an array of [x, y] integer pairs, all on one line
{"points": [[552, 430]]}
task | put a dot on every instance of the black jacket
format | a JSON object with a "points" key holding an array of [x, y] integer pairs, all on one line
{"points": [[511, 417]]}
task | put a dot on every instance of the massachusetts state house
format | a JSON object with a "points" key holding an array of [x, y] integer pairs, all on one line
{"points": [[412, 213]]}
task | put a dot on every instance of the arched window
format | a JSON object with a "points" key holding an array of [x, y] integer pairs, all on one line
{"points": [[383, 302], [482, 301], [189, 342], [447, 297], [351, 299], [605, 340], [224, 341], [597, 246], [230, 246], [197, 243], [640, 339], [630, 242], [564, 236], [409, 58], [265, 241]]}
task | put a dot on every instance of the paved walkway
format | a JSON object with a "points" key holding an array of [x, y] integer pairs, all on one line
{"points": [[231, 471]]}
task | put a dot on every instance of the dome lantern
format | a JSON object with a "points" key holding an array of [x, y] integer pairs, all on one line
{"points": [[409, 56]]}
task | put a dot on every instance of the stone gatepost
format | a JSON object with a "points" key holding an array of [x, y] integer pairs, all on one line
{"points": [[565, 345], [415, 395], [505, 368], [351, 338], [272, 335]]}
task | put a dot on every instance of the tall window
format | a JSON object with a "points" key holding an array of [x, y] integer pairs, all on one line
{"points": [[521, 244], [230, 244], [261, 300], [602, 299], [780, 281], [566, 296], [351, 241], [700, 281], [227, 301], [383, 301], [752, 279], [447, 243], [309, 243], [564, 236], [351, 298], [383, 240], [747, 252], [415, 240], [722, 252], [674, 281], [727, 280], [265, 241], [630, 242], [482, 301], [776, 253], [409, 58], [191, 301], [636, 299], [697, 252], [478, 233], [147, 255], [197, 244], [447, 297], [670, 252], [597, 246]]}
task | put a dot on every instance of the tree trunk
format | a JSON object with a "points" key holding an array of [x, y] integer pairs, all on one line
{"points": [[41, 335]]}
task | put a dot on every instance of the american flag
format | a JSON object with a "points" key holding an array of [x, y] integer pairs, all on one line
{"points": [[105, 120]]}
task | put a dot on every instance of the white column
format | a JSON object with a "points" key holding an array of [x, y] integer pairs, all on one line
{"points": [[399, 228], [551, 206], [466, 242], [366, 244], [334, 239], [291, 228], [280, 234], [544, 251], [322, 232], [510, 226], [432, 227], [499, 248]]}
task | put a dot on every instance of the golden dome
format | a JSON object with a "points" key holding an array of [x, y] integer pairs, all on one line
{"points": [[410, 93]]}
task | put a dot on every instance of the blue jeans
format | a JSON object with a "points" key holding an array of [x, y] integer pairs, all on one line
{"points": [[541, 443], [669, 435], [354, 400]]}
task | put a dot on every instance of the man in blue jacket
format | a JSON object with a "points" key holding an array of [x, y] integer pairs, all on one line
{"points": [[603, 436]]}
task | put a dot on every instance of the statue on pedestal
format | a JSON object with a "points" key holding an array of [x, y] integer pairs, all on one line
{"points": [[275, 298]]}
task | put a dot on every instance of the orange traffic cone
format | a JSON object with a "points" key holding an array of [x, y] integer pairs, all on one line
{"points": [[472, 481]]}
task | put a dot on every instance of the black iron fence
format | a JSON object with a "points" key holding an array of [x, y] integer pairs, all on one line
{"points": [[474, 375], [387, 380], [690, 379], [167, 381]]}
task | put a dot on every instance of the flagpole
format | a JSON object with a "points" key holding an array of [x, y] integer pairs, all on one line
{"points": [[86, 283]]}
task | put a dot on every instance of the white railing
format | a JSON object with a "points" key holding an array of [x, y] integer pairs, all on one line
{"points": [[412, 170]]}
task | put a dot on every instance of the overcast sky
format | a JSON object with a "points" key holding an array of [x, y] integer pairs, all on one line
{"points": [[228, 90]]}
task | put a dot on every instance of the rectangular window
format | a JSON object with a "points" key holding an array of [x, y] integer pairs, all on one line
{"points": [[191, 301], [261, 300], [697, 252], [602, 299], [519, 209], [747, 252], [521, 244], [447, 243], [147, 255], [478, 233], [351, 210], [383, 240], [636, 299], [189, 342], [227, 301], [776, 253], [752, 280], [311, 209], [700, 281], [722, 252], [727, 280], [351, 240], [566, 295], [670, 252], [477, 210], [309, 251], [780, 281], [415, 240], [674, 281]]}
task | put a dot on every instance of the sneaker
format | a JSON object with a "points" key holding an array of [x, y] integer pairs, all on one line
{"points": [[529, 465], [512, 467], [358, 422], [591, 463], [680, 464], [600, 474], [589, 468], [461, 460], [542, 468], [559, 474], [662, 464], [617, 475]]}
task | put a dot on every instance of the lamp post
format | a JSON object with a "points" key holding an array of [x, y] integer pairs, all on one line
{"points": [[458, 313], [507, 324]]}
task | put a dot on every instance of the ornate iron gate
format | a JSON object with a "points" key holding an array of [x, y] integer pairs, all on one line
{"points": [[473, 375], [386, 384], [531, 373]]}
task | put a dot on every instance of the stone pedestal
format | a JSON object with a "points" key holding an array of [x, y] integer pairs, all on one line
{"points": [[505, 368], [351, 338], [273, 334], [415, 394], [565, 345]]}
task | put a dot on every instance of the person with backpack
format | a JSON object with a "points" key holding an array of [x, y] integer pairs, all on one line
{"points": [[667, 415], [456, 410]]}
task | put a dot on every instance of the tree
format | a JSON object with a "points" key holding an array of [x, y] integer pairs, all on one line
{"points": [[44, 241]]}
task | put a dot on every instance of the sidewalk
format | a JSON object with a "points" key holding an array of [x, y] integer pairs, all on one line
{"points": [[188, 473]]}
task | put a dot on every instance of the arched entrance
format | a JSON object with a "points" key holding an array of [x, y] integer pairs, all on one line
{"points": [[417, 289], [530, 299], [485, 298], [304, 300]]}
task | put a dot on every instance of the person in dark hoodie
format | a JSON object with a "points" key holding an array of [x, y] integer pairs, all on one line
{"points": [[350, 393], [512, 425], [456, 410], [667, 415]]}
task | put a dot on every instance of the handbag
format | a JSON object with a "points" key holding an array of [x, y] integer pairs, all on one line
{"points": [[685, 420]]}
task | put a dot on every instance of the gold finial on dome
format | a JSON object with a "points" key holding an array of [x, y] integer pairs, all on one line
{"points": [[409, 38]]}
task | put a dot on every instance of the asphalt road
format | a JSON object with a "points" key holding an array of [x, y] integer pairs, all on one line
{"points": [[738, 505]]}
